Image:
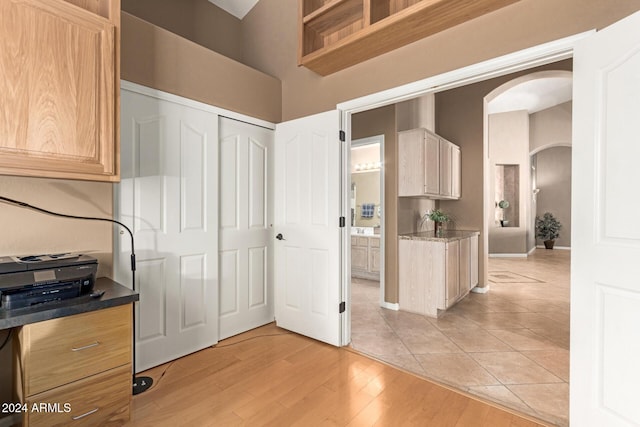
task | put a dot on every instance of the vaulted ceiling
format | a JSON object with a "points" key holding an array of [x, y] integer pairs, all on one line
{"points": [[238, 8]]}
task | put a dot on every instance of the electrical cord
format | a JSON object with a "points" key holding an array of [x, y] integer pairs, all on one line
{"points": [[6, 340]]}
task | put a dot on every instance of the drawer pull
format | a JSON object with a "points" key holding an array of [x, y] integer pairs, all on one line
{"points": [[95, 344], [86, 414]]}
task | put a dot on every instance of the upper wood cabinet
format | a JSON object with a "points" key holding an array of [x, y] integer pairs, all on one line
{"points": [[428, 165], [336, 34], [59, 88]]}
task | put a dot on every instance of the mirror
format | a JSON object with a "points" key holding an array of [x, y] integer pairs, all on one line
{"points": [[507, 195], [365, 187]]}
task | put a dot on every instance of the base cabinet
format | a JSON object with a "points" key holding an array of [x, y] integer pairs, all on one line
{"points": [[80, 365], [365, 257], [434, 275]]}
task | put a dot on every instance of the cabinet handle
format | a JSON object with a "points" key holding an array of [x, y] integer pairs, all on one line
{"points": [[86, 414], [95, 344]]}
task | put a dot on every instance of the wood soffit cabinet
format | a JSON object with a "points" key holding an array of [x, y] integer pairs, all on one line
{"points": [[59, 88], [336, 34]]}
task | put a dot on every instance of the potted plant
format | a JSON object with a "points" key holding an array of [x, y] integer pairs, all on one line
{"points": [[439, 218], [547, 229]]}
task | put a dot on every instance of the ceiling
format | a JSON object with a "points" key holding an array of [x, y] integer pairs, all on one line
{"points": [[533, 95], [238, 8]]}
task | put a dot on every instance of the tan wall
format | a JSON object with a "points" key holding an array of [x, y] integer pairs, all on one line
{"points": [[270, 44], [28, 232], [382, 121], [550, 127], [553, 169], [509, 145], [155, 57], [197, 20], [459, 118]]}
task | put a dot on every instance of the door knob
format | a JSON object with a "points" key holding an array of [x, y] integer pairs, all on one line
{"points": [[279, 236]]}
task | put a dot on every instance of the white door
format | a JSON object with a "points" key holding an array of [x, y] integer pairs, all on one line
{"points": [[168, 196], [307, 211], [605, 267], [246, 214]]}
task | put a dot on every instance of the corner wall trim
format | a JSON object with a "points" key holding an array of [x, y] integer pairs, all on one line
{"points": [[478, 290], [390, 306]]}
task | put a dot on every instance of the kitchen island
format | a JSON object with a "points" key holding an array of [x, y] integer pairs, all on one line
{"points": [[435, 272]]}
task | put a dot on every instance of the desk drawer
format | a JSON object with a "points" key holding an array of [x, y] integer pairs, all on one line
{"points": [[100, 400], [59, 351]]}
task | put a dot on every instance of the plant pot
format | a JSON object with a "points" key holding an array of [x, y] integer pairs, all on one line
{"points": [[437, 229], [548, 244]]}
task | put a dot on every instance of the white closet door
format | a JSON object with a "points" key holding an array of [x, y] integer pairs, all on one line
{"points": [[168, 196], [246, 214]]}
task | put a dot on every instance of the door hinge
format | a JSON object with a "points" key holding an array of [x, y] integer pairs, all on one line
{"points": [[343, 222], [342, 135], [343, 307]]}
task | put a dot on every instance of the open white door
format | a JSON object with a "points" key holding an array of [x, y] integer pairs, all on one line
{"points": [[307, 211], [605, 268]]}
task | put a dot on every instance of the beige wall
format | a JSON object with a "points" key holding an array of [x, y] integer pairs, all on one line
{"points": [[459, 118], [270, 44], [154, 57], [550, 127], [553, 171], [28, 232], [367, 191], [197, 20], [509, 145]]}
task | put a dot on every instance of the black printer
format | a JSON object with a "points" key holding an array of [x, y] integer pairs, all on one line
{"points": [[36, 279]]}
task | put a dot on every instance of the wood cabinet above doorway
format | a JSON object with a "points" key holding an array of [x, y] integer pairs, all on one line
{"points": [[336, 34]]}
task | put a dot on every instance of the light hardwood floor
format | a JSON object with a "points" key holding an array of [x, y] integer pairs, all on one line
{"points": [[271, 377], [510, 345]]}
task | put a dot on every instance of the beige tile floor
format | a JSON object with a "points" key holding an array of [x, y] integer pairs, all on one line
{"points": [[510, 345]]}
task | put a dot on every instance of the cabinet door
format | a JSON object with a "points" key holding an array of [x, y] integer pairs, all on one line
{"points": [[452, 262], [473, 261], [445, 168], [411, 155], [57, 97], [432, 164], [359, 258], [374, 260], [464, 268], [455, 171]]}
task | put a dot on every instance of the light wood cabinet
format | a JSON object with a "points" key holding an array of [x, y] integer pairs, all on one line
{"points": [[428, 165], [83, 360], [435, 274], [336, 34], [59, 91], [365, 257]]}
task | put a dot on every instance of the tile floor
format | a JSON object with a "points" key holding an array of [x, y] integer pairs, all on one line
{"points": [[510, 345]]}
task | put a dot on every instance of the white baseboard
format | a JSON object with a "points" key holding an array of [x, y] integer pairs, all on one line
{"points": [[507, 255], [562, 248], [388, 306], [478, 290], [533, 249]]}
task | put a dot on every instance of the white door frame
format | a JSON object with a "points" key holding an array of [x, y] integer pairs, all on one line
{"points": [[521, 60], [377, 139]]}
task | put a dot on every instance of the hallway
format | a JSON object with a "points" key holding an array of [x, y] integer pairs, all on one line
{"points": [[510, 345]]}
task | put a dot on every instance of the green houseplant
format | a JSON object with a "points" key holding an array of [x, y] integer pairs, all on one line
{"points": [[548, 229], [439, 218]]}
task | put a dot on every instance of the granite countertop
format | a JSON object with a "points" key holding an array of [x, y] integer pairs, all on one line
{"points": [[114, 294], [446, 236]]}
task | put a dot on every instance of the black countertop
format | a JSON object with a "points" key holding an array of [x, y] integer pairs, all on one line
{"points": [[114, 294]]}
